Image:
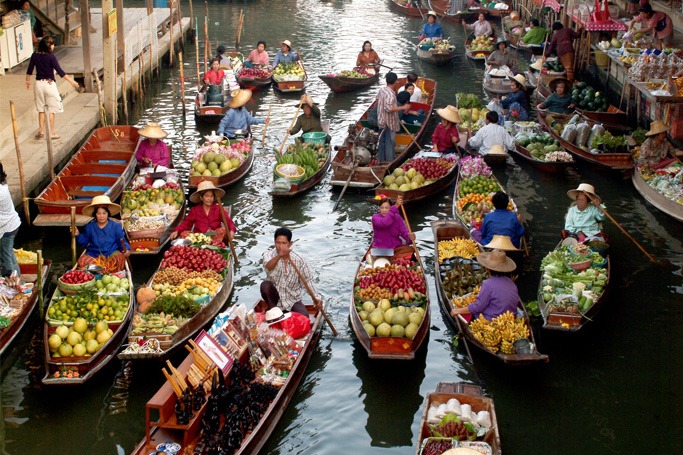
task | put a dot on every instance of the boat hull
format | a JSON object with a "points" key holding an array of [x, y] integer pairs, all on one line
{"points": [[545, 166], [348, 84], [435, 58], [228, 179], [306, 185], [654, 197]]}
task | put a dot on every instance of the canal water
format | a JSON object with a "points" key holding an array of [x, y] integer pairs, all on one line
{"points": [[611, 389]]}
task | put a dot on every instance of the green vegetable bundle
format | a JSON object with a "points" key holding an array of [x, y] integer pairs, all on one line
{"points": [[468, 101], [178, 306]]}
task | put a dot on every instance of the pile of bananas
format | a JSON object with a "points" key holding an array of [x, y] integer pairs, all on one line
{"points": [[198, 238], [25, 257], [464, 248], [500, 333], [309, 156], [462, 302]]}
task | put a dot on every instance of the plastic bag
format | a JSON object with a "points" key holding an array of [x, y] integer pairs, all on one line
{"points": [[282, 185], [569, 133], [574, 120], [297, 325], [583, 131], [495, 106], [597, 129]]}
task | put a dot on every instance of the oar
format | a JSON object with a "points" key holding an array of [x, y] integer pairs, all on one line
{"points": [[123, 251], [265, 128], [20, 163], [346, 185], [405, 217], [412, 138], [73, 235], [315, 299], [227, 234], [291, 125], [621, 228]]}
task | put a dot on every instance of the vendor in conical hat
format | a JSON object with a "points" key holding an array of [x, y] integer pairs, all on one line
{"points": [[445, 138], [498, 294], [657, 152], [517, 101], [584, 217], [432, 29], [152, 151], [502, 221], [237, 117], [502, 56], [103, 238], [206, 215], [559, 102]]}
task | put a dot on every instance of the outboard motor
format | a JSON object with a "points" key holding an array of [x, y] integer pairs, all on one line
{"points": [[364, 146]]}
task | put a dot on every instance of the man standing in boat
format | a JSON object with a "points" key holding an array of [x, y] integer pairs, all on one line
{"points": [[388, 117], [286, 276]]}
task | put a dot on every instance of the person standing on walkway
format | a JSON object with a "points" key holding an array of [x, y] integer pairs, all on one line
{"points": [[388, 117], [562, 45], [9, 226], [45, 91]]}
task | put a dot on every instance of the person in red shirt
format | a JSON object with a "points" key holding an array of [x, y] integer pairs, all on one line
{"points": [[445, 138], [215, 75], [206, 216], [562, 45]]}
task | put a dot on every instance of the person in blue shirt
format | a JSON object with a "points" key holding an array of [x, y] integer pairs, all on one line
{"points": [[500, 222], [237, 117], [285, 54], [431, 29], [517, 102], [102, 237]]}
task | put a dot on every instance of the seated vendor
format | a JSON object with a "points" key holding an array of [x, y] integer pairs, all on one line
{"points": [[446, 137], [206, 215], [501, 221], [237, 117], [388, 227], [309, 121], [517, 101], [584, 217], [536, 34], [215, 75], [502, 56], [152, 151], [559, 101], [657, 152], [102, 237]]}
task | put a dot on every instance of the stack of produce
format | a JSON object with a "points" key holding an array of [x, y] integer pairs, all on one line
{"points": [[195, 259], [543, 147], [481, 44], [565, 290], [579, 132], [461, 277], [418, 172], [455, 420], [215, 159], [144, 201], [289, 72], [90, 305], [586, 97], [25, 257], [356, 73], [471, 112], [436, 44], [254, 73], [80, 339], [311, 157], [668, 181], [650, 66], [385, 320], [501, 332], [553, 66], [458, 247]]}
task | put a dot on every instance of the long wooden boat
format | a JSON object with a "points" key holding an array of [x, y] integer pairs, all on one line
{"points": [[187, 435], [169, 343], [545, 166], [209, 113], [291, 86], [436, 57], [572, 322], [86, 367], [390, 348], [104, 164], [309, 183], [340, 84], [213, 114], [443, 8], [450, 229], [613, 116], [422, 192], [466, 394], [404, 8], [28, 275], [615, 161], [228, 179], [477, 56], [371, 175], [254, 83], [654, 197]]}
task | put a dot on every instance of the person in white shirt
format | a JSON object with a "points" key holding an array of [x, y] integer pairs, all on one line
{"points": [[491, 134], [9, 226], [416, 97]]}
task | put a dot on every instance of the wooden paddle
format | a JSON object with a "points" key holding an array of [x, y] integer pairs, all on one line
{"points": [[20, 163], [346, 185], [405, 217], [182, 81], [265, 128], [412, 138], [73, 235], [227, 234], [291, 125], [319, 304], [123, 251]]}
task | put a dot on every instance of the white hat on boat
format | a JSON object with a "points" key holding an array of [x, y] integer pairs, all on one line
{"points": [[584, 188], [205, 186], [497, 261], [287, 43], [275, 315], [152, 131], [449, 113]]}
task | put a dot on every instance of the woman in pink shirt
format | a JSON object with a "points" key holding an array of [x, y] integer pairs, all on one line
{"points": [[152, 151], [259, 56], [445, 138], [657, 22]]}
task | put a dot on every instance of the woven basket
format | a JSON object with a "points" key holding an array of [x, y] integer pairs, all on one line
{"points": [[147, 234], [291, 172]]}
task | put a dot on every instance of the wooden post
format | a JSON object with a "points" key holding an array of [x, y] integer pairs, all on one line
{"points": [[207, 43], [152, 32], [179, 14], [192, 22], [20, 163], [240, 21], [182, 81], [171, 51], [109, 51], [73, 235], [121, 44], [196, 53], [39, 282], [100, 107], [142, 59], [48, 138], [84, 7], [67, 26]]}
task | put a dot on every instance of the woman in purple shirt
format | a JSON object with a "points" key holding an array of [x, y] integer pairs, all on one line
{"points": [[498, 293], [389, 229], [45, 91]]}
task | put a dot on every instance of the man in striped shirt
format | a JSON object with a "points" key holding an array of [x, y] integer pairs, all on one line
{"points": [[388, 117], [283, 287]]}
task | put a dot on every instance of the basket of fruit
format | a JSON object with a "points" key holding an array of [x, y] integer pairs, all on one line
{"points": [[291, 172], [74, 281], [315, 137]]}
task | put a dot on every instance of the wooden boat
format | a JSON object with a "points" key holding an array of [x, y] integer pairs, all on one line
{"points": [[546, 166], [28, 275], [254, 83], [442, 7], [166, 428], [86, 367], [436, 57], [466, 394], [478, 56], [572, 322], [168, 343], [406, 9], [153, 241], [422, 192], [306, 185], [654, 197], [209, 113], [292, 86], [390, 348], [612, 117], [212, 114], [228, 179], [450, 229], [615, 161], [104, 164], [494, 85], [371, 175], [492, 159], [340, 84]]}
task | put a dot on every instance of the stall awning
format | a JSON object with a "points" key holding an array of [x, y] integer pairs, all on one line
{"points": [[554, 4]]}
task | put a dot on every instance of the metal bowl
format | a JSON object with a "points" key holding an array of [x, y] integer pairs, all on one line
{"points": [[181, 242], [95, 269]]}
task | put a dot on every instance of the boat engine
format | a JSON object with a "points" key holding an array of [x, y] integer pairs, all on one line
{"points": [[364, 146]]}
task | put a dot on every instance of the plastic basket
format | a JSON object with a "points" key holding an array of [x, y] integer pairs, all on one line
{"points": [[315, 137], [292, 172], [601, 59]]}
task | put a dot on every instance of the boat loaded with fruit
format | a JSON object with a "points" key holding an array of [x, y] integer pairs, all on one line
{"points": [[348, 80], [191, 285], [541, 150], [300, 167], [86, 323], [436, 51], [458, 415], [221, 161], [255, 79], [230, 392], [290, 77]]}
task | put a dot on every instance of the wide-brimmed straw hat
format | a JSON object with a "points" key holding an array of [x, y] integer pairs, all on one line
{"points": [[501, 242], [497, 149], [537, 65], [449, 113], [497, 261], [521, 79], [205, 186], [152, 131], [567, 83], [657, 127], [504, 41], [101, 201], [432, 13], [287, 43], [239, 97], [514, 16], [275, 315], [584, 188]]}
